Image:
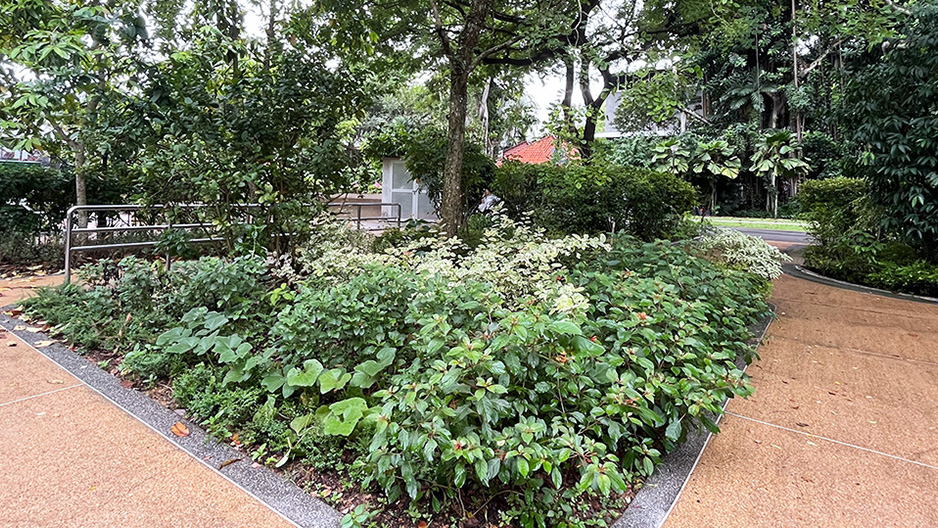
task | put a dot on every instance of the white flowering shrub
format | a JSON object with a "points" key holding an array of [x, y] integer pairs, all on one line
{"points": [[741, 251], [516, 258]]}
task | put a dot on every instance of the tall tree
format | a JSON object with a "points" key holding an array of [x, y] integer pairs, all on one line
{"points": [[61, 63], [461, 36]]}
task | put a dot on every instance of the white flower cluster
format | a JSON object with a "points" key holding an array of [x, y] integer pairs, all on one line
{"points": [[745, 252]]}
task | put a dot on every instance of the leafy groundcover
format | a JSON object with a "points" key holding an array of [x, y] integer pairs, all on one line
{"points": [[526, 382]]}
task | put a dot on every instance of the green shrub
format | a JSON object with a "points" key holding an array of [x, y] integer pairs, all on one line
{"points": [[850, 246], [743, 252], [131, 301], [201, 391], [595, 198], [554, 368], [920, 278], [23, 247], [34, 198]]}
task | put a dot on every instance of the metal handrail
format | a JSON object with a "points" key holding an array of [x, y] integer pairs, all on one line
{"points": [[70, 229], [358, 218]]}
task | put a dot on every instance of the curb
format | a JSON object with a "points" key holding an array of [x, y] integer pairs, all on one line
{"points": [[273, 491], [801, 272], [654, 501]]}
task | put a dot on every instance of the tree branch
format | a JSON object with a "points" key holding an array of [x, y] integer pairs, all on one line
{"points": [[493, 50], [804, 71], [440, 31]]}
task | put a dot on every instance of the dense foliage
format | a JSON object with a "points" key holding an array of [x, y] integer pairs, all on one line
{"points": [[545, 372], [595, 198], [852, 245], [891, 110]]}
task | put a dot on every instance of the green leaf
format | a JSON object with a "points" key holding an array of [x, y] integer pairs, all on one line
{"points": [[343, 416], [523, 467], [460, 475], [565, 327], [673, 432], [333, 379], [306, 377], [273, 381], [648, 466]]}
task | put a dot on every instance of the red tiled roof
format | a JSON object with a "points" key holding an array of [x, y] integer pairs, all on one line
{"points": [[540, 151]]}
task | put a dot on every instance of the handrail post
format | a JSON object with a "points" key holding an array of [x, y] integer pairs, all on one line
{"points": [[359, 217], [68, 245], [169, 229]]}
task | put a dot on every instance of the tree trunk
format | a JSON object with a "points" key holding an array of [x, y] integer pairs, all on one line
{"points": [[461, 63], [589, 134], [567, 104], [771, 204], [713, 196], [451, 206], [81, 184]]}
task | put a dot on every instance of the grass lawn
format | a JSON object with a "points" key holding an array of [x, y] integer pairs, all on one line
{"points": [[778, 224]]}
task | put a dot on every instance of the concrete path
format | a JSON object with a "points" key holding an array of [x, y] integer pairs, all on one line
{"points": [[774, 235], [843, 428], [69, 458]]}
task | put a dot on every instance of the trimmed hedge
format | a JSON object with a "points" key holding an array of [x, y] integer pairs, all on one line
{"points": [[595, 198]]}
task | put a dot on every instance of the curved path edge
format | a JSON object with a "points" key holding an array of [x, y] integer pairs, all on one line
{"points": [[804, 273], [281, 496], [660, 492]]}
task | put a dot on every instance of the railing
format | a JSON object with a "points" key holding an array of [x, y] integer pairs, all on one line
{"points": [[70, 230], [358, 218], [134, 225]]}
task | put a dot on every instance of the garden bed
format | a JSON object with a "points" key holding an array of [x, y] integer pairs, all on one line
{"points": [[529, 381]]}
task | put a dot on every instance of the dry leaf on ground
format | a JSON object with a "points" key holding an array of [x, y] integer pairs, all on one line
{"points": [[229, 462], [180, 429], [43, 344], [11, 343], [19, 328]]}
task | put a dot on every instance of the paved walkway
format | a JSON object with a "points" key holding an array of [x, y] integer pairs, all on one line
{"points": [[843, 428], [69, 458]]}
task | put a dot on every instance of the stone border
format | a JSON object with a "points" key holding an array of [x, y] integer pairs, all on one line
{"points": [[281, 496], [804, 273], [654, 501]]}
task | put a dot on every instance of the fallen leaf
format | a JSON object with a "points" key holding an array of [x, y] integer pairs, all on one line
{"points": [[34, 329], [229, 462], [56, 381], [127, 384], [11, 343], [775, 446], [812, 443], [19, 328], [180, 429], [43, 344], [234, 440], [801, 424], [422, 524]]}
